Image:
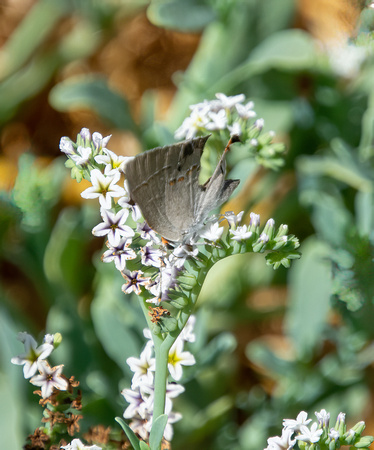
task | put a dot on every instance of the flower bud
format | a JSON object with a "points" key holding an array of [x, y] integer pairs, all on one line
{"points": [[359, 427], [280, 242], [282, 231], [261, 242], [269, 229], [340, 424]]}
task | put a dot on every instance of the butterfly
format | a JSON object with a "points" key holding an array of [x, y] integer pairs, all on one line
{"points": [[164, 183]]}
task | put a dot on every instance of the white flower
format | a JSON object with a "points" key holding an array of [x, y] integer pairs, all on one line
{"points": [[233, 219], [294, 425], [147, 233], [165, 281], [197, 120], [241, 233], [181, 253], [323, 416], [212, 232], [133, 281], [137, 405], [172, 391], [217, 120], [49, 339], [33, 354], [207, 105], [76, 444], [113, 226], [119, 254], [112, 161], [99, 141], [285, 442], [178, 358], [311, 435], [124, 202], [142, 367], [49, 378], [235, 129], [333, 434], [259, 124], [85, 135], [255, 220], [82, 156], [151, 256], [230, 102], [66, 146], [104, 188], [245, 111], [140, 426]]}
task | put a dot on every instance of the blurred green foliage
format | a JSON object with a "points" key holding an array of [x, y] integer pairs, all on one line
{"points": [[51, 275]]}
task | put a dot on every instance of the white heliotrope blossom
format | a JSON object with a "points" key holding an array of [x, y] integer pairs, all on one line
{"points": [[220, 114], [34, 359], [141, 395], [301, 433]]}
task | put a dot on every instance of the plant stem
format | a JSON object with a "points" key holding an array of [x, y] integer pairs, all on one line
{"points": [[161, 347], [161, 374]]}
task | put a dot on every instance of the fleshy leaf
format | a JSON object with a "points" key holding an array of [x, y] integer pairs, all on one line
{"points": [[135, 442], [157, 432], [93, 93]]}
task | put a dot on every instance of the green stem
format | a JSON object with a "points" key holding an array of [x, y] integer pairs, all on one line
{"points": [[162, 348]]}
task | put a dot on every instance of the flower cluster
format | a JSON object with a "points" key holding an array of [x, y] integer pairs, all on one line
{"points": [[228, 116], [34, 359], [141, 395], [297, 433], [60, 399], [136, 250]]}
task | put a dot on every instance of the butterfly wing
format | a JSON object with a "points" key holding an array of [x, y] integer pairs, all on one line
{"points": [[216, 191], [164, 182]]}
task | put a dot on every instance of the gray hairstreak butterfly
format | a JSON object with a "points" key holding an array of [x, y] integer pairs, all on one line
{"points": [[164, 183]]}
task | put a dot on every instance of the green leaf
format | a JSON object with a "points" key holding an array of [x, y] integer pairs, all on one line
{"points": [[135, 442], [185, 15], [93, 93], [310, 291], [157, 432], [287, 49]]}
